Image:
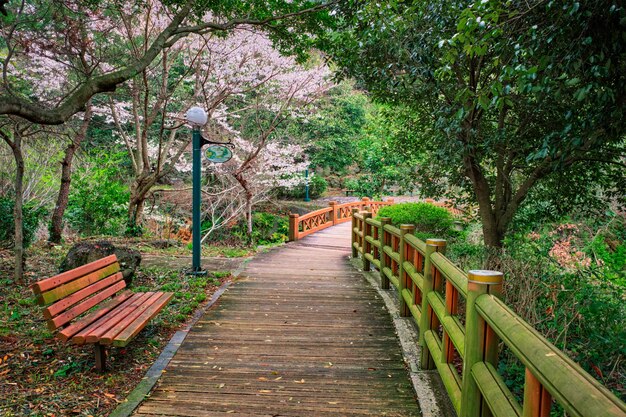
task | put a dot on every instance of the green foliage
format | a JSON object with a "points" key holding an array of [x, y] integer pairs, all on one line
{"points": [[436, 222], [609, 247], [98, 199], [506, 97], [566, 279], [333, 130], [31, 216], [267, 229], [317, 186]]}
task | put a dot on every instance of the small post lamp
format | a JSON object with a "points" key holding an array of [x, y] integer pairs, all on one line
{"points": [[306, 186], [197, 118]]}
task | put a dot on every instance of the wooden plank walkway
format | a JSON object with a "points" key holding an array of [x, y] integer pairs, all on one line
{"points": [[303, 334]]}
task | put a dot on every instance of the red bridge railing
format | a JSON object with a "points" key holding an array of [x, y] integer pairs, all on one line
{"points": [[301, 226]]}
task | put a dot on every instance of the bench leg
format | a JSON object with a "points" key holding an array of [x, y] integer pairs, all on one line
{"points": [[101, 357]]}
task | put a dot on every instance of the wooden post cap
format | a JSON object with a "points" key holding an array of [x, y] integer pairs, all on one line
{"points": [[407, 227], [481, 276], [385, 219], [332, 203], [366, 199], [436, 242], [355, 210], [366, 213], [294, 215]]}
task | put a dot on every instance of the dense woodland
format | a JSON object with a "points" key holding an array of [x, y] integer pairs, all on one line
{"points": [[512, 111]]}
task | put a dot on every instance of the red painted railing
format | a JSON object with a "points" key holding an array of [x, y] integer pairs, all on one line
{"points": [[301, 226]]}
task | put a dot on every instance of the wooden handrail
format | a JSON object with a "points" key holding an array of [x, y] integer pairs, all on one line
{"points": [[301, 226], [429, 289]]}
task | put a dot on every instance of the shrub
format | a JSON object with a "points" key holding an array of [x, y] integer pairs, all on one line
{"points": [[267, 229], [429, 220], [98, 200], [360, 187], [317, 186], [576, 304], [31, 217]]}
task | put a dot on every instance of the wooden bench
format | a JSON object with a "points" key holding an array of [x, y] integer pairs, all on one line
{"points": [[89, 304]]}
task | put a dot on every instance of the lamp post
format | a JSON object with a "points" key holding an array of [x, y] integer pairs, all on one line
{"points": [[197, 118], [306, 182]]}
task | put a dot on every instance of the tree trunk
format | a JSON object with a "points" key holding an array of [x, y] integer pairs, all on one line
{"points": [[249, 196], [18, 208], [493, 231], [249, 214], [138, 194], [56, 222]]}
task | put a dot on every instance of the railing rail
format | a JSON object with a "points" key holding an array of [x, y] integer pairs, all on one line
{"points": [[301, 226], [463, 346]]}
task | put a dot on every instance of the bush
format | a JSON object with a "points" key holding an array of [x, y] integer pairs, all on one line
{"points": [[360, 187], [429, 220], [267, 229], [570, 296], [317, 186], [98, 200], [31, 217]]}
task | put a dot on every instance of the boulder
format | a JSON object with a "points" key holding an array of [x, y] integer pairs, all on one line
{"points": [[85, 252]]}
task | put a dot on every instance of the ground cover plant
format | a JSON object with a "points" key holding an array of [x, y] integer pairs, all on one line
{"points": [[42, 376]]}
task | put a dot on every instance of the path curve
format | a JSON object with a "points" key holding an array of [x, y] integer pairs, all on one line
{"points": [[302, 334]]}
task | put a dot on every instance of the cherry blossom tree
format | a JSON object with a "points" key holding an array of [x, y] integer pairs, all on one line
{"points": [[206, 71], [44, 29]]}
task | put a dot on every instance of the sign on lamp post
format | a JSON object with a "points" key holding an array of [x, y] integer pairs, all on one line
{"points": [[306, 186]]}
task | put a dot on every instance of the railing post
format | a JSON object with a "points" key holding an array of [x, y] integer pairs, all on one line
{"points": [[404, 229], [384, 280], [355, 237], [481, 342], [365, 203], [333, 214], [427, 319], [367, 246], [293, 227], [537, 400]]}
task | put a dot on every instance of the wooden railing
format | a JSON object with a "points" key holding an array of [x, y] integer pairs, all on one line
{"points": [[301, 226], [463, 346]]}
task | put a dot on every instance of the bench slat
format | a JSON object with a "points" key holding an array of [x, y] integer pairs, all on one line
{"points": [[55, 281], [95, 333], [107, 338], [140, 322], [78, 296], [79, 338], [78, 284], [78, 325], [79, 309]]}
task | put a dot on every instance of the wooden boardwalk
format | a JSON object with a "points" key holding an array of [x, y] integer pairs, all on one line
{"points": [[302, 334]]}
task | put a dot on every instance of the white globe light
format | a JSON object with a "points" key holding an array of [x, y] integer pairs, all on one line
{"points": [[196, 116]]}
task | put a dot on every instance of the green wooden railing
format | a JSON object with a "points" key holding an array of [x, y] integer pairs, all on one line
{"points": [[463, 346]]}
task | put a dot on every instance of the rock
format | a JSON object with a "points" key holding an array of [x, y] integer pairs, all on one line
{"points": [[164, 243], [83, 253]]}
